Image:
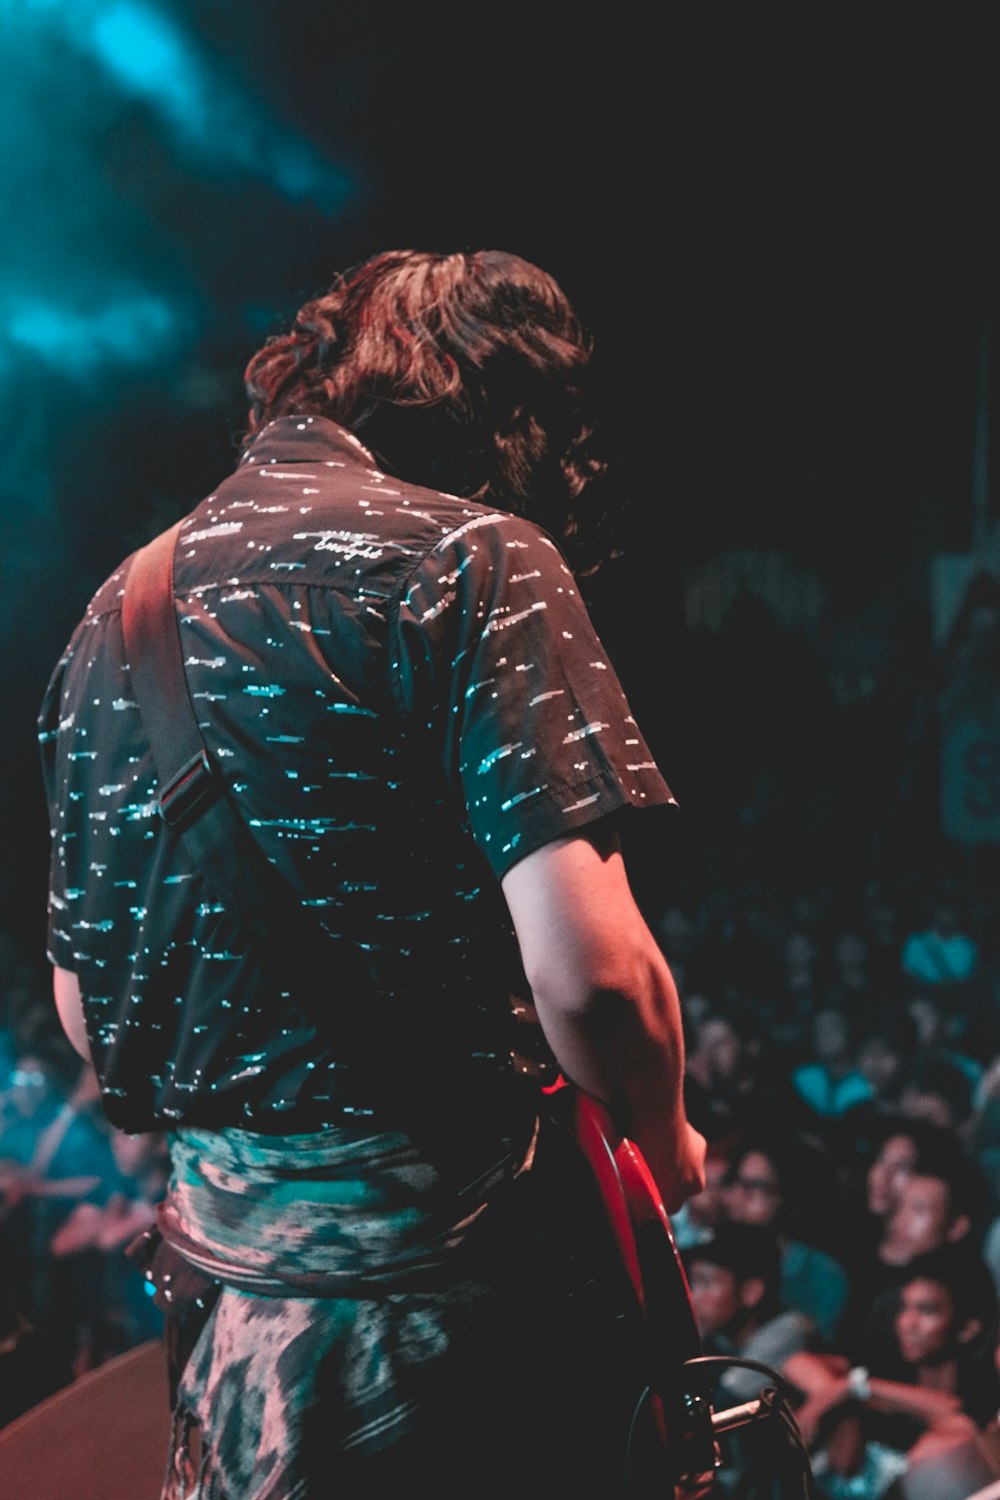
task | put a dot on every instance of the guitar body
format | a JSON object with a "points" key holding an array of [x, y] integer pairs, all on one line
{"points": [[681, 1419]]}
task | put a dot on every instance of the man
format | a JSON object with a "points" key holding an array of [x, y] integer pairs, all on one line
{"points": [[896, 1157], [934, 1389], [772, 1183], [934, 1208], [939, 1204], [396, 678], [735, 1279]]}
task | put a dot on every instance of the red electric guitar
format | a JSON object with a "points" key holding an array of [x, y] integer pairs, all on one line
{"points": [[682, 1431], [680, 1419]]}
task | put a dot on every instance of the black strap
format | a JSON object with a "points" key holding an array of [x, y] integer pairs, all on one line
{"points": [[193, 798], [414, 1085]]}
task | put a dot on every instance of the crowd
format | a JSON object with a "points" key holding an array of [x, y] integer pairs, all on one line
{"points": [[842, 1061], [74, 1194]]}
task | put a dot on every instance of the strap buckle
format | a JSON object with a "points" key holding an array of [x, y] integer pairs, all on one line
{"points": [[190, 792]]}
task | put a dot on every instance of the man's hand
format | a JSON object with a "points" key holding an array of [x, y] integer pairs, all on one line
{"points": [[690, 1173], [810, 1414], [822, 1378], [78, 1231], [15, 1184]]}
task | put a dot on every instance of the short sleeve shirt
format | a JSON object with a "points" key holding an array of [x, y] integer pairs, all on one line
{"points": [[405, 695]]}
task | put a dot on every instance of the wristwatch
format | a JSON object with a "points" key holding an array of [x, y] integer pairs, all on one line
{"points": [[858, 1383]]}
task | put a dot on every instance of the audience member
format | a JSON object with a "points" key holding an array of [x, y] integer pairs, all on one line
{"points": [[57, 1161], [885, 1047], [735, 1282], [802, 975], [113, 1311], [851, 963], [844, 1070], [939, 1203], [983, 1133], [941, 1030], [829, 1081], [886, 1044], [735, 1293], [939, 951], [869, 1174], [731, 1082], [779, 1184], [933, 1388], [937, 1088], [880, 921], [906, 1144]]}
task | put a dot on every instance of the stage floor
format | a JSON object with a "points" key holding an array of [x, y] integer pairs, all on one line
{"points": [[105, 1437]]}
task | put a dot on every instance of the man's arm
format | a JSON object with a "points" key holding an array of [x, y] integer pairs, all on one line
{"points": [[69, 1004], [827, 1387], [606, 998]]}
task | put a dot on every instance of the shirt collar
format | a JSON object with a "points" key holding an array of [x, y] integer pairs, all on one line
{"points": [[305, 439]]}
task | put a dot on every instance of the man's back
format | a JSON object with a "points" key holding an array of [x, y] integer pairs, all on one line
{"points": [[364, 656], [410, 709]]}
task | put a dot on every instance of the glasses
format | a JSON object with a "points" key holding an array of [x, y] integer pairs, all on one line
{"points": [[757, 1185], [27, 1078]]}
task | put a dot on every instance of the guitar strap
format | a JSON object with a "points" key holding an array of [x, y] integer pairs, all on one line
{"points": [[416, 1089], [193, 799]]}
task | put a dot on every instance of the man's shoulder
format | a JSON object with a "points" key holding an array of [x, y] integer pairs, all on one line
{"points": [[338, 520], [803, 1258]]}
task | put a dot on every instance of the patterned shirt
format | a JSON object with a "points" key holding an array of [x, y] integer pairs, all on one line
{"points": [[405, 695]]}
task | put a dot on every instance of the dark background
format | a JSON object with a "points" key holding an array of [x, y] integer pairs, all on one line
{"points": [[782, 231]]}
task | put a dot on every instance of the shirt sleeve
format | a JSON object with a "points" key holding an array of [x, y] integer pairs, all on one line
{"points": [[533, 726], [59, 943], [774, 1342]]}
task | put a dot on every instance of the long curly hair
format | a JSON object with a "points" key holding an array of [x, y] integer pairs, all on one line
{"points": [[468, 372]]}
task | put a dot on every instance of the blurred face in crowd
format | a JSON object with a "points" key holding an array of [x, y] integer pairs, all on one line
{"points": [[753, 1194], [831, 1036], [929, 1020], [30, 1086], [925, 1322], [800, 955], [851, 954], [720, 1050], [676, 931], [922, 1219], [715, 1296], [892, 1166], [697, 1008], [881, 1063]]}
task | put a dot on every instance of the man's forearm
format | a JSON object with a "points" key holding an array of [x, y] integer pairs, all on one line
{"points": [[631, 1056], [606, 998]]}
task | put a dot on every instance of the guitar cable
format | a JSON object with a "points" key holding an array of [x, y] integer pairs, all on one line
{"points": [[772, 1402]]}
